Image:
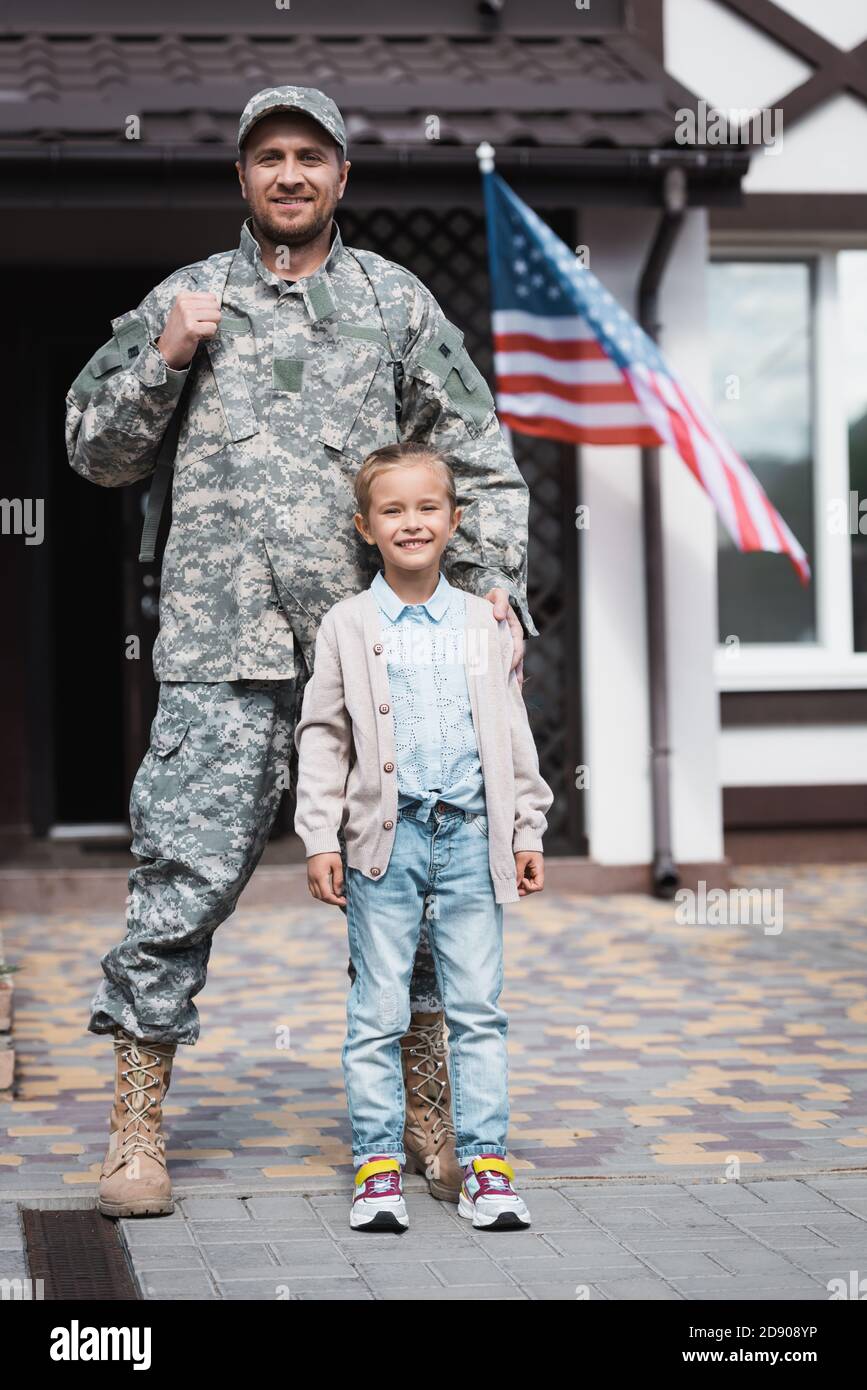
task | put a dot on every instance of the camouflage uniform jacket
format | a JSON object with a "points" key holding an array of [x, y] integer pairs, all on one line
{"points": [[281, 407]]}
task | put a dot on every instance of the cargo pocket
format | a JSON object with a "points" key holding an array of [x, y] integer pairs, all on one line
{"points": [[168, 733], [157, 796]]}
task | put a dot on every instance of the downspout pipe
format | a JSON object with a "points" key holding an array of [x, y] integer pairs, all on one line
{"points": [[665, 873]]}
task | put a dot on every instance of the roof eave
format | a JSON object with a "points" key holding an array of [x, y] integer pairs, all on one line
{"points": [[109, 173]]}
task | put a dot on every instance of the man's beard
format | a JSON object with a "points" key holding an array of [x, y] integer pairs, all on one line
{"points": [[282, 236]]}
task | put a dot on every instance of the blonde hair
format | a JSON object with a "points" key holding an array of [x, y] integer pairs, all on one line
{"points": [[396, 456]]}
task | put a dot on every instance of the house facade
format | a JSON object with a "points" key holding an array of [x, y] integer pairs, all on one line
{"points": [[764, 680], [787, 325]]}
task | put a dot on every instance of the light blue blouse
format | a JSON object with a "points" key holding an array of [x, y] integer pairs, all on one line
{"points": [[437, 753]]}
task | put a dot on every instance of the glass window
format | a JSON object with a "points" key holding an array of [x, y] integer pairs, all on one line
{"points": [[761, 354], [852, 283]]}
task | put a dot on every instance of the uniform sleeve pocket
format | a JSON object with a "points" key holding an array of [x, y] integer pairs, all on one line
{"points": [[469, 393], [105, 362], [446, 365]]}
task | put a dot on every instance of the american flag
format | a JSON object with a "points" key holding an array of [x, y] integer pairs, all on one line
{"points": [[572, 364]]}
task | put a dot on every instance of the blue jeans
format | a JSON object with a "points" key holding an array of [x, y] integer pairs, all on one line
{"points": [[438, 871]]}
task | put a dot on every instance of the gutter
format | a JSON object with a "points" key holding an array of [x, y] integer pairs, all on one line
{"points": [[665, 873], [717, 167], [116, 175], [731, 162]]}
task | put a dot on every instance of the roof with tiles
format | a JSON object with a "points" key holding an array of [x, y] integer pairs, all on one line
{"points": [[188, 90]]}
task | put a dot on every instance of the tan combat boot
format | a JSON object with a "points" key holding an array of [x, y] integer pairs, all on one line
{"points": [[134, 1180], [429, 1134]]}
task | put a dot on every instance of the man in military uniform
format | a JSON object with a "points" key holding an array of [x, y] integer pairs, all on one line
{"points": [[296, 356]]}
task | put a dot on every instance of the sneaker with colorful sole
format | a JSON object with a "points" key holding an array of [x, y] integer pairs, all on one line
{"points": [[487, 1197], [378, 1203]]}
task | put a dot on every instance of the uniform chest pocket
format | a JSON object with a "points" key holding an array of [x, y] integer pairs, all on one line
{"points": [[353, 382], [219, 409]]}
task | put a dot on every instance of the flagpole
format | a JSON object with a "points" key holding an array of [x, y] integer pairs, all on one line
{"points": [[485, 153]]}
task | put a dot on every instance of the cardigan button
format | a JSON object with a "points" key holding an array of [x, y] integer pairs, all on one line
{"points": [[388, 767], [388, 825], [383, 709], [374, 873], [377, 647]]}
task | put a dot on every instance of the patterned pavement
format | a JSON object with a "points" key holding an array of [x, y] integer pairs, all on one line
{"points": [[639, 1046]]}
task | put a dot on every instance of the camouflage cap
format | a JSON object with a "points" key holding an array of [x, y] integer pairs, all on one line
{"points": [[307, 99]]}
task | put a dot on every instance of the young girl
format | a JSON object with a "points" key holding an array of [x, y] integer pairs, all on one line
{"points": [[414, 740]]}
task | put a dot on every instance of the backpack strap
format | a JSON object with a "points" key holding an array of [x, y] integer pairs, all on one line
{"points": [[210, 279], [391, 313]]}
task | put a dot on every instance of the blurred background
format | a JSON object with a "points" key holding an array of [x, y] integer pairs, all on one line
{"points": [[763, 309]]}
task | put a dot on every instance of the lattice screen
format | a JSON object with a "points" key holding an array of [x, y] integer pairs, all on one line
{"points": [[447, 250]]}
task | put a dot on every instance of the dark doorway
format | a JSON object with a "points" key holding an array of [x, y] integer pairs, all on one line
{"points": [[89, 689]]}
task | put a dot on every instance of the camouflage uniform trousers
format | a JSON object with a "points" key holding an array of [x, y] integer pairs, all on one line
{"points": [[202, 806]]}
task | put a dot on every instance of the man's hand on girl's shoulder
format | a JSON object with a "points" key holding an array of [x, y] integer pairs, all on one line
{"points": [[529, 871], [325, 878], [503, 609]]}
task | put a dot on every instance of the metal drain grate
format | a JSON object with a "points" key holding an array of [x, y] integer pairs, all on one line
{"points": [[79, 1255]]}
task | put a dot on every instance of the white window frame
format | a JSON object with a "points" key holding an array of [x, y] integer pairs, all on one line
{"points": [[830, 662]]}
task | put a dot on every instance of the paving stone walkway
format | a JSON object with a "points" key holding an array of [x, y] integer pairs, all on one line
{"points": [[689, 1106], [800, 1240]]}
